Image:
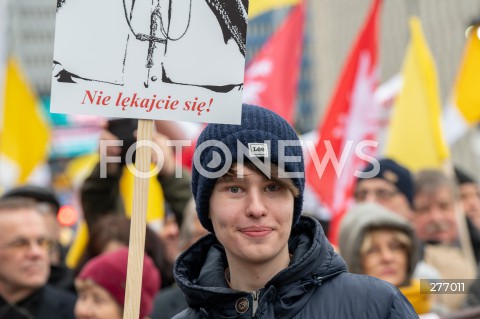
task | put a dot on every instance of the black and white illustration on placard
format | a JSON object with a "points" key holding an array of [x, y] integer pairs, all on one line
{"points": [[173, 36]]}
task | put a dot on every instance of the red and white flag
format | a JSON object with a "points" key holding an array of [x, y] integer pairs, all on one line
{"points": [[271, 77], [350, 127]]}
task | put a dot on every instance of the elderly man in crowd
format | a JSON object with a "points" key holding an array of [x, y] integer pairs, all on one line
{"points": [[24, 268], [49, 205], [391, 187], [438, 223]]}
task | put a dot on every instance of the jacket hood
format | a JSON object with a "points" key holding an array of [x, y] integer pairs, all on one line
{"points": [[200, 270], [364, 217]]}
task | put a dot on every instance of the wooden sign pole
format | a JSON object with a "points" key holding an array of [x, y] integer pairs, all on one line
{"points": [[136, 248]]}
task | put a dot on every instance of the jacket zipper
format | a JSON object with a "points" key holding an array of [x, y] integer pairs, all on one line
{"points": [[255, 296]]}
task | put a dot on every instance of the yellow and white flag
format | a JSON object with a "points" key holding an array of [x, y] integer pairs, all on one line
{"points": [[415, 136], [257, 7], [463, 111], [24, 133]]}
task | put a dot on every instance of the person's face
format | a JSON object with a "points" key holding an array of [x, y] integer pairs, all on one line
{"points": [[386, 259], [94, 302], [169, 233], [197, 232], [252, 217], [24, 250], [113, 245], [53, 229], [384, 193], [435, 216], [470, 195]]}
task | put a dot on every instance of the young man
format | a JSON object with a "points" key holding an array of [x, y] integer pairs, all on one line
{"points": [[262, 259]]}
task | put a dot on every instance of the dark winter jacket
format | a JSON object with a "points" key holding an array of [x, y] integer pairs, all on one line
{"points": [[315, 285], [46, 303], [168, 302]]}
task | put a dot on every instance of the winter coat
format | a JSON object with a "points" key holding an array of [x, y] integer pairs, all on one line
{"points": [[168, 302], [46, 303], [366, 217], [314, 285]]}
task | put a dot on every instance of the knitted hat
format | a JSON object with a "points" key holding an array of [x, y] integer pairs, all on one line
{"points": [[109, 271], [462, 177], [394, 173], [260, 137], [37, 193]]}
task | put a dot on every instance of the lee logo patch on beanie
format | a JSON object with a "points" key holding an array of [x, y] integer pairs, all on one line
{"points": [[390, 176], [258, 149]]}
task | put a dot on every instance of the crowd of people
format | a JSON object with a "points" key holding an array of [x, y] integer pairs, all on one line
{"points": [[240, 245]]}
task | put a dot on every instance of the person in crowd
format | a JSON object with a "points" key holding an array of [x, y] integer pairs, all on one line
{"points": [[25, 243], [50, 205], [170, 301], [60, 275], [112, 232], [169, 233], [473, 297], [391, 187], [379, 243], [101, 286], [191, 231], [101, 196], [437, 215], [470, 197], [263, 259]]}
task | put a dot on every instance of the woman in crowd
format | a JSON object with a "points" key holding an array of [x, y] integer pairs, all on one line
{"points": [[381, 244], [101, 286], [113, 231]]}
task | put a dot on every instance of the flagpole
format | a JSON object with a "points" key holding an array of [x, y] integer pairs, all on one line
{"points": [[136, 247]]}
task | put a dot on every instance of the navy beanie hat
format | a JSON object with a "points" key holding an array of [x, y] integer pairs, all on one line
{"points": [[258, 139], [396, 174], [462, 177]]}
